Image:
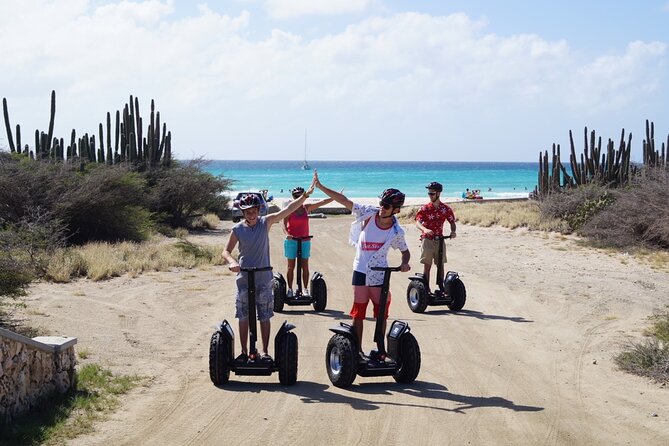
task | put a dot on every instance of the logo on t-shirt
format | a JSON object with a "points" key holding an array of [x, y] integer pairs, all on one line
{"points": [[371, 246]]}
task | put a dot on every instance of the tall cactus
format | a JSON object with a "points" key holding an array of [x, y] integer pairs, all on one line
{"points": [[52, 119], [130, 144], [8, 127]]}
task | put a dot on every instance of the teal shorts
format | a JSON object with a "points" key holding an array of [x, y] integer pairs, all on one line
{"points": [[290, 248]]}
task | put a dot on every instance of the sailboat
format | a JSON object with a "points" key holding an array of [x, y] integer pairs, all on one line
{"points": [[306, 165]]}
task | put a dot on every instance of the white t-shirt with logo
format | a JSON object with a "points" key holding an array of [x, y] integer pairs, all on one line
{"points": [[371, 240]]}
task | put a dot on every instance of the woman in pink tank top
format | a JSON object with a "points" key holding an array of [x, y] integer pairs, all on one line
{"points": [[296, 225]]}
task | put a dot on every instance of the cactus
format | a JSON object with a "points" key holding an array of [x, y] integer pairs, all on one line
{"points": [[131, 145], [18, 138], [611, 168], [52, 118], [8, 127]]}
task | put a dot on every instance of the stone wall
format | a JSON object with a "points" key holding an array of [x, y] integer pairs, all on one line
{"points": [[32, 369]]}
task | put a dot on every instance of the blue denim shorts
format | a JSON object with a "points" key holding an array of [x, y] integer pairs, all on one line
{"points": [[264, 302], [290, 248]]}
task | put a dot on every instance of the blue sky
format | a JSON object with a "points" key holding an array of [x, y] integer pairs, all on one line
{"points": [[369, 79]]}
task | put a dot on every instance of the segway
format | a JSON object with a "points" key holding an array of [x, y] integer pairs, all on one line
{"points": [[222, 347], [401, 361], [319, 290], [451, 291]]}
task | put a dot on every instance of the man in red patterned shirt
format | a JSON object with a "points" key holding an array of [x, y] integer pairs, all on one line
{"points": [[430, 220]]}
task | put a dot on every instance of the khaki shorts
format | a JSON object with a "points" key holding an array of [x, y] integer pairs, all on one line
{"points": [[429, 250]]}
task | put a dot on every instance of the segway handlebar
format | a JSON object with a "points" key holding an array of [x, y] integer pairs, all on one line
{"points": [[386, 268], [255, 269]]}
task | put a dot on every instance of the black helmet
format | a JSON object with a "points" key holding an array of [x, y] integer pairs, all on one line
{"points": [[297, 192], [248, 201], [435, 186], [392, 197]]}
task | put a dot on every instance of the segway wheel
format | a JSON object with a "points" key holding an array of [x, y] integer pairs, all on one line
{"points": [[409, 360], [279, 293], [219, 348], [341, 361], [286, 358], [458, 293], [417, 296], [319, 291]]}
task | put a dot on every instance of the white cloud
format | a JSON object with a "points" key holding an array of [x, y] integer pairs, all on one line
{"points": [[283, 9], [406, 72]]}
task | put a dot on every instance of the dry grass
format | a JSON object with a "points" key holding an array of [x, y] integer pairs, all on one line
{"points": [[100, 261], [207, 221], [509, 214]]}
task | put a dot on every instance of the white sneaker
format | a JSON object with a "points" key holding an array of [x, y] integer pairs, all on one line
{"points": [[289, 293]]}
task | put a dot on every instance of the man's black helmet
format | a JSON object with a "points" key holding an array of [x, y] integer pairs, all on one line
{"points": [[248, 201], [435, 186], [392, 197], [297, 192]]}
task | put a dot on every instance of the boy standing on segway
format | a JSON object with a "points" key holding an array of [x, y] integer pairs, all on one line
{"points": [[430, 220], [374, 231], [252, 234]]}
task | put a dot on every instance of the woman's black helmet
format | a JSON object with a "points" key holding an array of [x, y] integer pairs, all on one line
{"points": [[297, 192], [248, 201], [392, 197], [435, 186]]}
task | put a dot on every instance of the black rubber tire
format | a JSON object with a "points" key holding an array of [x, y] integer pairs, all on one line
{"points": [[341, 361], [286, 359], [409, 360], [319, 291], [219, 349], [417, 296], [458, 293], [279, 293], [236, 219]]}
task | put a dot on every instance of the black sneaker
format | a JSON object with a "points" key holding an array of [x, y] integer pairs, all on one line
{"points": [[242, 359]]}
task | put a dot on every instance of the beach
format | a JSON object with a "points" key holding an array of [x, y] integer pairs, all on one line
{"points": [[528, 361]]}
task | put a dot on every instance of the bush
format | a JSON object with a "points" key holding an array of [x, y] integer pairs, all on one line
{"points": [[14, 276], [576, 206], [184, 192], [105, 204], [26, 185], [639, 215]]}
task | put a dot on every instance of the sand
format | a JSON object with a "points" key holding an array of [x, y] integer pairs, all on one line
{"points": [[528, 361]]}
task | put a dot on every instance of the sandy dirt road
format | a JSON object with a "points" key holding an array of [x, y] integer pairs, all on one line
{"points": [[528, 361]]}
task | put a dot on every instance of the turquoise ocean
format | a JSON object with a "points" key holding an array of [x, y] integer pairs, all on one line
{"points": [[369, 178]]}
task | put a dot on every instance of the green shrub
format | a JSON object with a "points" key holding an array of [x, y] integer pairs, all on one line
{"points": [[105, 204], [638, 217], [185, 191], [14, 276], [576, 206]]}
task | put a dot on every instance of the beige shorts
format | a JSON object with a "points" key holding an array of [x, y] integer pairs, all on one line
{"points": [[429, 250]]}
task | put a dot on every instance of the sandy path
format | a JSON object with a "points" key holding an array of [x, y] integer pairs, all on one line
{"points": [[529, 361]]}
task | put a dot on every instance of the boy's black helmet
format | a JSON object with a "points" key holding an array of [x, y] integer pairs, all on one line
{"points": [[435, 186], [297, 192], [392, 197], [248, 201]]}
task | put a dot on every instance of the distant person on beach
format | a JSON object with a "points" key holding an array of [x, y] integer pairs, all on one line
{"points": [[374, 231], [430, 219], [296, 225], [252, 234]]}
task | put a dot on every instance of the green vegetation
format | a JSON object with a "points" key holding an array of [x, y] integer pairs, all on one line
{"points": [[66, 417], [650, 357], [59, 221]]}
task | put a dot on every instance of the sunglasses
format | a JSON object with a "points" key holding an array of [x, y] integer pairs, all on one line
{"points": [[432, 193], [386, 206]]}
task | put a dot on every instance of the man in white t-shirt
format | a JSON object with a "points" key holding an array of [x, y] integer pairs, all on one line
{"points": [[374, 231]]}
